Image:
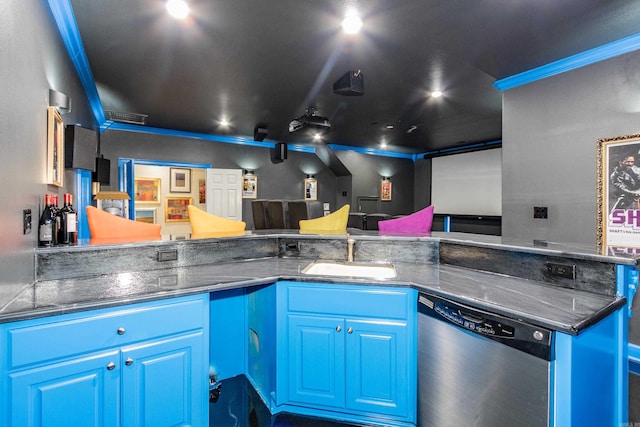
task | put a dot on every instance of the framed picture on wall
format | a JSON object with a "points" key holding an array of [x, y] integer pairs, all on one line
{"points": [[310, 189], [385, 190], [249, 186], [147, 190], [146, 215], [202, 191], [55, 147], [180, 180], [618, 194], [176, 210]]}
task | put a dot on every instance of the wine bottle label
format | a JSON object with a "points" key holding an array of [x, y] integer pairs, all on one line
{"points": [[71, 223], [46, 233]]}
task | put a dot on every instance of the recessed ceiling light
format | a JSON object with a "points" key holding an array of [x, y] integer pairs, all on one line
{"points": [[317, 137], [389, 126], [225, 123], [351, 23], [179, 9], [436, 94]]}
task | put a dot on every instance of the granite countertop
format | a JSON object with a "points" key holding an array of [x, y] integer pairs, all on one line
{"points": [[552, 307]]}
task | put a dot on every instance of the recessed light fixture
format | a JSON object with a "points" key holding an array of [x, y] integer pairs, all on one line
{"points": [[317, 136], [179, 9], [351, 23], [389, 126], [225, 123], [436, 94]]}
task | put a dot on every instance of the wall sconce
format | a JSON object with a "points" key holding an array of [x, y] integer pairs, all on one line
{"points": [[59, 100], [248, 172], [385, 188]]}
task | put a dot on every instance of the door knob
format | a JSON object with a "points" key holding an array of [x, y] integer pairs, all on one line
{"points": [[338, 328], [121, 331], [111, 366], [350, 330], [129, 361]]}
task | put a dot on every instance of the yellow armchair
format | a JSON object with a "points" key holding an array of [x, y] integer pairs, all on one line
{"points": [[334, 223], [204, 224]]}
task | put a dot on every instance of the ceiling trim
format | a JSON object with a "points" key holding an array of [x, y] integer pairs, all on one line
{"points": [[588, 57], [68, 28], [373, 151], [463, 149]]}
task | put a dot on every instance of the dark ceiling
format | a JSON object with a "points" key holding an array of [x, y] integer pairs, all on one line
{"points": [[265, 61]]}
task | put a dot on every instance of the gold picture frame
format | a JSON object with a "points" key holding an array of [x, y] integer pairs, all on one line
{"points": [[385, 190], [175, 209], [147, 190], [617, 182], [55, 147]]}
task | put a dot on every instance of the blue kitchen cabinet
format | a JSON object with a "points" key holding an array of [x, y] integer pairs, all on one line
{"points": [[143, 365], [347, 352]]}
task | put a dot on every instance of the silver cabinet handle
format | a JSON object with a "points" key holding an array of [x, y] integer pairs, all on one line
{"points": [[121, 331], [129, 361], [111, 366], [350, 330], [338, 328]]}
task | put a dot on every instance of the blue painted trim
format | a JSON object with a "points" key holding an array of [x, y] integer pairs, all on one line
{"points": [[83, 199], [126, 174], [372, 151], [193, 135], [447, 223], [634, 359], [164, 163], [591, 56], [66, 22]]}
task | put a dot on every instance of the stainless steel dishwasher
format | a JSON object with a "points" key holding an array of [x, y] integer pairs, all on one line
{"points": [[480, 369]]}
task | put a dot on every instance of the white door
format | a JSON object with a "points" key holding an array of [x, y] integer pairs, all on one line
{"points": [[224, 193]]}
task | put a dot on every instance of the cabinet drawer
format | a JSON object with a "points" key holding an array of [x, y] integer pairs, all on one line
{"points": [[365, 301], [67, 335]]}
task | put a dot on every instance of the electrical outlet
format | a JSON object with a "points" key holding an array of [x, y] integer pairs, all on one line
{"points": [[26, 221], [540, 212]]}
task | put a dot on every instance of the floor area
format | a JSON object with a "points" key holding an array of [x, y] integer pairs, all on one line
{"points": [[239, 405]]}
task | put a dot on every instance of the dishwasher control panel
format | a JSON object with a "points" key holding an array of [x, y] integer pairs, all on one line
{"points": [[512, 332]]}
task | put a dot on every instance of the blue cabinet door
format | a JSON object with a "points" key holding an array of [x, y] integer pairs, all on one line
{"points": [[165, 382], [316, 360], [80, 392], [377, 367]]}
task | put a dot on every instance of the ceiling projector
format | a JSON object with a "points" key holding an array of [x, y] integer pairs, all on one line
{"points": [[310, 123]]}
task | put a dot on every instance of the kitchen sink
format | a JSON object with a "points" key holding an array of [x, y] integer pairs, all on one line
{"points": [[351, 269]]}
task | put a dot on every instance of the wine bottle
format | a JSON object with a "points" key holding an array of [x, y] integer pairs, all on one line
{"points": [[68, 234], [56, 215], [47, 223]]}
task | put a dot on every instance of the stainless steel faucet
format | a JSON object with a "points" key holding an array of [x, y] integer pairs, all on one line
{"points": [[350, 243]]}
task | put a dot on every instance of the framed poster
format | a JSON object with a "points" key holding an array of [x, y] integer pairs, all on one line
{"points": [[180, 180], [249, 186], [55, 147], [385, 190], [618, 194], [146, 215], [176, 210], [202, 191], [147, 190], [310, 189]]}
